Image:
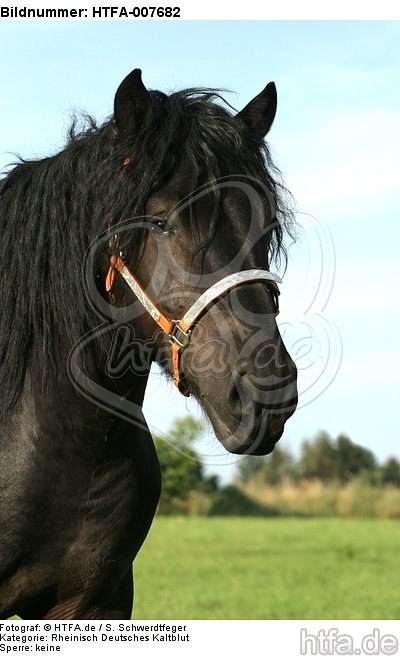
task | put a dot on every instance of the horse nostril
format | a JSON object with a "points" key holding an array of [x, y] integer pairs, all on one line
{"points": [[245, 367], [239, 397]]}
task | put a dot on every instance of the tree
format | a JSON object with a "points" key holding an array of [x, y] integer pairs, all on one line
{"points": [[339, 459], [353, 459], [249, 467], [319, 458], [281, 465], [181, 469], [272, 469], [390, 472]]}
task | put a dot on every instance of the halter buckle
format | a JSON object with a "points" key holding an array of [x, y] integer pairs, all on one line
{"points": [[178, 336]]}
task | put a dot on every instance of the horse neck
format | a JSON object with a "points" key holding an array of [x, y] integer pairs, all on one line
{"points": [[85, 406]]}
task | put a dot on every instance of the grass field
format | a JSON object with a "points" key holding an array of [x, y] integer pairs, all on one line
{"points": [[279, 568]]}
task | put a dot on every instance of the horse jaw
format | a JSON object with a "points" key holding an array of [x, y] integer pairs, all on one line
{"points": [[255, 433]]}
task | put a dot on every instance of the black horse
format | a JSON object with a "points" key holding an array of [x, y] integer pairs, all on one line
{"points": [[173, 196]]}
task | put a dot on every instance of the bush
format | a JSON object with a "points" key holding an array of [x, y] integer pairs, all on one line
{"points": [[232, 502], [358, 498]]}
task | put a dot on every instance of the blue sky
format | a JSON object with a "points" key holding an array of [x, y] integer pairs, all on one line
{"points": [[337, 140]]}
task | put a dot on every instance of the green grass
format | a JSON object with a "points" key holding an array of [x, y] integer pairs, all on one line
{"points": [[277, 568]]}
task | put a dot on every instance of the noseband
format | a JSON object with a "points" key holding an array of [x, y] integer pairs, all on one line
{"points": [[179, 331]]}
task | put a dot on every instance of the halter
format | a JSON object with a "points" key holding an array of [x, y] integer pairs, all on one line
{"points": [[179, 331]]}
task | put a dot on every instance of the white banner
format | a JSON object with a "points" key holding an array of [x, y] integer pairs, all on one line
{"points": [[172, 10], [196, 638]]}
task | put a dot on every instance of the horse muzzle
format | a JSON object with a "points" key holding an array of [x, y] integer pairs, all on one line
{"points": [[251, 418]]}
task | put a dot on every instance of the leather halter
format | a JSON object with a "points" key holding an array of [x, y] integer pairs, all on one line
{"points": [[179, 331]]}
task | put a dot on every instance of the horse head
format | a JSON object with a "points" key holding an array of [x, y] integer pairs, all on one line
{"points": [[200, 254]]}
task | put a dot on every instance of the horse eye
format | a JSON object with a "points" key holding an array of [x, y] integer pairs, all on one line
{"points": [[160, 227]]}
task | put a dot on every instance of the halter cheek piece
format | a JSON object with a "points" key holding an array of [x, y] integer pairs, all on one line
{"points": [[179, 330]]}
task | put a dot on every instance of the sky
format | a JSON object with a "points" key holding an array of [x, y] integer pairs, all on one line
{"points": [[336, 138]]}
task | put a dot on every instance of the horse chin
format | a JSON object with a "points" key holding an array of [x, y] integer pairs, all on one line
{"points": [[249, 436]]}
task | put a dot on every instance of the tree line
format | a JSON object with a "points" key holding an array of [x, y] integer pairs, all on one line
{"points": [[323, 458]]}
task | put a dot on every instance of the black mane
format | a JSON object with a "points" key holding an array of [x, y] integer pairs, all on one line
{"points": [[52, 209]]}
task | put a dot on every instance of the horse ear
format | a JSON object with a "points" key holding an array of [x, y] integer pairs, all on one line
{"points": [[132, 104], [259, 114]]}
